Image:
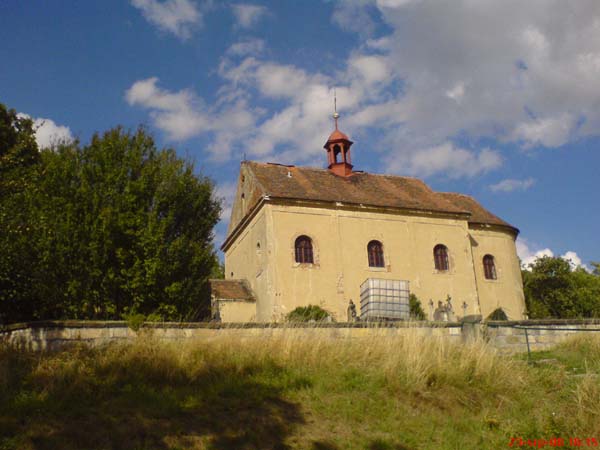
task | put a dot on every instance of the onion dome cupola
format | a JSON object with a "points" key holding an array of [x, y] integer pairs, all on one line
{"points": [[338, 151]]}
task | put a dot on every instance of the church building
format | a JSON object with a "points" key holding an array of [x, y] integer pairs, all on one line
{"points": [[303, 236]]}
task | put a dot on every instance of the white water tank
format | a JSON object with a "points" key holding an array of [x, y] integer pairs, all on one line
{"points": [[384, 299]]}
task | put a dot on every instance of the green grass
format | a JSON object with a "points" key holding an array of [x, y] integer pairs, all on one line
{"points": [[296, 391]]}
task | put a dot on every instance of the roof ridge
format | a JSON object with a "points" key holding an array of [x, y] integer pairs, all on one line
{"points": [[459, 194], [323, 169]]}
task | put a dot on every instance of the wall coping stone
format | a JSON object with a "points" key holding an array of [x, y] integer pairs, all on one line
{"points": [[541, 322], [64, 324], [474, 318], [216, 325], [59, 324]]}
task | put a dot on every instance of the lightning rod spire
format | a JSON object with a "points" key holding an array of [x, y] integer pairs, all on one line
{"points": [[336, 116]]}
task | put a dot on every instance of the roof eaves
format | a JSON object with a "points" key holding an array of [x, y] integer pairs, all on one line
{"points": [[414, 210], [498, 225]]}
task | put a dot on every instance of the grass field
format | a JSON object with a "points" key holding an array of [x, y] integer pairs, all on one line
{"points": [[297, 392]]}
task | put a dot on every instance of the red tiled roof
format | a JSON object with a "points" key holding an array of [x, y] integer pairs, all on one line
{"points": [[337, 135], [231, 290], [478, 213], [307, 183]]}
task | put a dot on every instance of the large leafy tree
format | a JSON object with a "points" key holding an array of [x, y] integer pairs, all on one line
{"points": [[19, 164], [553, 289], [18, 150], [115, 227]]}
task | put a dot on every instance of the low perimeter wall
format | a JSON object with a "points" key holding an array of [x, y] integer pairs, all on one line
{"points": [[507, 336]]}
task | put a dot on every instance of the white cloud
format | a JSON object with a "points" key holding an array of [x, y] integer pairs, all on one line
{"points": [[354, 15], [248, 15], [182, 115], [226, 193], [302, 123], [280, 81], [371, 68], [175, 16], [297, 131], [514, 83], [549, 132], [512, 184], [48, 133], [250, 47], [394, 3], [178, 114], [574, 260], [455, 162], [528, 256], [505, 70], [457, 92]]}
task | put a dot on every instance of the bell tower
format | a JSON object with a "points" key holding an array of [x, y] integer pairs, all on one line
{"points": [[338, 149]]}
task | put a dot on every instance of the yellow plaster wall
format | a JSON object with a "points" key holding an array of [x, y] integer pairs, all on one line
{"points": [[247, 258], [340, 239], [506, 291], [237, 312], [340, 236]]}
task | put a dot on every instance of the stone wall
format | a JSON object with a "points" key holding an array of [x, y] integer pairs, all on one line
{"points": [[54, 335], [512, 336], [507, 336]]}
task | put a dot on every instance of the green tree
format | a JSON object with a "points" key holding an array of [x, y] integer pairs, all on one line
{"points": [[553, 289], [18, 151], [19, 164], [120, 228]]}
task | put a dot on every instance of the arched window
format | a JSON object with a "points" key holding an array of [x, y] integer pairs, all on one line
{"points": [[336, 151], [489, 267], [440, 255], [304, 250], [375, 251]]}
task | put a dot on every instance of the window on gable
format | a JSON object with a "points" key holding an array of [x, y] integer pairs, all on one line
{"points": [[375, 251], [304, 250], [440, 256], [489, 267]]}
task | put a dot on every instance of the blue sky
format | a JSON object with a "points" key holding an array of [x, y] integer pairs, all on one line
{"points": [[499, 99]]}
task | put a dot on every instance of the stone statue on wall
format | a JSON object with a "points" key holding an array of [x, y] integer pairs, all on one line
{"points": [[216, 315], [449, 308], [444, 313], [351, 311], [441, 313]]}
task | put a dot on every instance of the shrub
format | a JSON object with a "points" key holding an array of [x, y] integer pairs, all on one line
{"points": [[416, 311], [498, 314], [135, 321], [308, 313]]}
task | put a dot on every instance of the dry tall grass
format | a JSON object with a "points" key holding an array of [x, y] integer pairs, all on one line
{"points": [[410, 360], [297, 389]]}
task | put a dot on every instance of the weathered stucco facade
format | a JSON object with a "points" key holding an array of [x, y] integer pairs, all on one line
{"points": [[341, 214]]}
